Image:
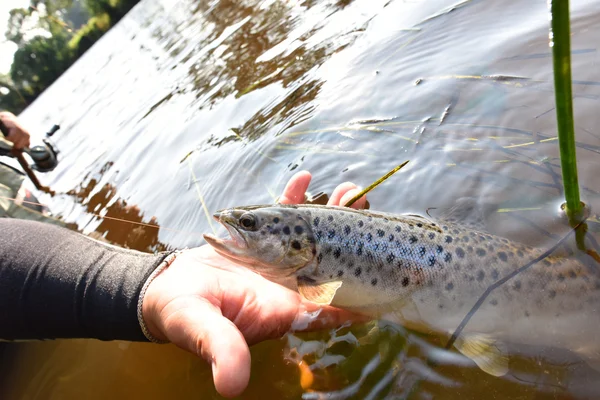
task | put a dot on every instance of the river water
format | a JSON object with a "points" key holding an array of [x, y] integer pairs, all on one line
{"points": [[186, 107]]}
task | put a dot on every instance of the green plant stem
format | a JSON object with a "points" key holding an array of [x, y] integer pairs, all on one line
{"points": [[561, 56]]}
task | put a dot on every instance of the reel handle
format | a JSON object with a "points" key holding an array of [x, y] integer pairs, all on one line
{"points": [[53, 130]]}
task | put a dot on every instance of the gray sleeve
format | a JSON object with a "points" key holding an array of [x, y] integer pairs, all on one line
{"points": [[55, 283]]}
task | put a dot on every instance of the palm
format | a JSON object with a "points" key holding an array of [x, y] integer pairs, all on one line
{"points": [[258, 307], [215, 308]]}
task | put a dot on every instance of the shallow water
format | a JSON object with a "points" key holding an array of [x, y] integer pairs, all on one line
{"points": [[186, 103]]}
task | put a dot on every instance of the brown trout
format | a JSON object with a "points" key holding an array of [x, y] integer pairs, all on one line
{"points": [[422, 274]]}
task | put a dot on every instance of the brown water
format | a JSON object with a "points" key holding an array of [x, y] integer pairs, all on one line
{"points": [[221, 102]]}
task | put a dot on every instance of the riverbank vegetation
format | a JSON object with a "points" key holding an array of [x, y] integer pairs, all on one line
{"points": [[50, 36]]}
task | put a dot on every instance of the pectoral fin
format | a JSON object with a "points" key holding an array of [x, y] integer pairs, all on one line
{"points": [[320, 293], [489, 354]]}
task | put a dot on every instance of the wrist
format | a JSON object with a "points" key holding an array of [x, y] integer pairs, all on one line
{"points": [[147, 311]]}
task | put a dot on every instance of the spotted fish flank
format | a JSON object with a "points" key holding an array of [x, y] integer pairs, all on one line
{"points": [[423, 274]]}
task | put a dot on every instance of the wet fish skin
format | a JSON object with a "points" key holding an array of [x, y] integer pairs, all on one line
{"points": [[265, 240], [336, 243], [427, 274]]}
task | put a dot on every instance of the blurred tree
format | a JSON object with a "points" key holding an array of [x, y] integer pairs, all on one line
{"points": [[77, 15], [42, 55], [53, 6], [15, 26], [116, 9], [51, 35], [99, 7], [88, 34], [46, 15], [10, 97], [39, 62], [70, 14]]}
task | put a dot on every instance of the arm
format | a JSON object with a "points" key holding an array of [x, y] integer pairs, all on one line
{"points": [[55, 283]]}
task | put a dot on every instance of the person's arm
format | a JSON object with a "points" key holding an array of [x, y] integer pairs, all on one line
{"points": [[55, 283]]}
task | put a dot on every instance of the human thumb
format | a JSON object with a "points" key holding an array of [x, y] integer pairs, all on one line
{"points": [[201, 329]]}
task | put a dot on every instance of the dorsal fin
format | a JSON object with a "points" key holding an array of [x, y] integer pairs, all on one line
{"points": [[467, 212], [417, 216], [427, 223]]}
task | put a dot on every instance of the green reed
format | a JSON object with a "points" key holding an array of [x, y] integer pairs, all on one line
{"points": [[561, 56], [375, 184]]}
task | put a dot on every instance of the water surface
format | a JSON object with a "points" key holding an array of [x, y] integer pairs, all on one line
{"points": [[188, 103]]}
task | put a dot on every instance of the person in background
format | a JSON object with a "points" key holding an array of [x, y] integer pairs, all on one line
{"points": [[56, 283], [15, 200], [10, 179]]}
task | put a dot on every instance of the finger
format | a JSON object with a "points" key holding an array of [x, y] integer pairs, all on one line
{"points": [[16, 139], [201, 329], [20, 143], [17, 144], [358, 204], [296, 188], [339, 192], [11, 137]]}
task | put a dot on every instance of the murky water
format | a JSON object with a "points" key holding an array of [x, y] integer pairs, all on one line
{"points": [[220, 102]]}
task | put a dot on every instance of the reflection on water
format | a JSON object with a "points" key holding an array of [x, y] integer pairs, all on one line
{"points": [[189, 104], [120, 223], [384, 361]]}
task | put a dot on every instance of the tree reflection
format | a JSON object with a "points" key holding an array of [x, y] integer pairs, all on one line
{"points": [[233, 66], [123, 224]]}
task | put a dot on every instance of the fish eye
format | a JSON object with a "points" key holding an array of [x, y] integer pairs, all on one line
{"points": [[248, 221]]}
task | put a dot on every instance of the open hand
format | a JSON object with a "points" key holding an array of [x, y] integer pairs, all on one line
{"points": [[214, 308]]}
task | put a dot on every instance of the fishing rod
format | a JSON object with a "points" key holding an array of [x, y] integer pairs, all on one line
{"points": [[44, 156]]}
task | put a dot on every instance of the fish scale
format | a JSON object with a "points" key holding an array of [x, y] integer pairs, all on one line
{"points": [[438, 259], [423, 274], [382, 252]]}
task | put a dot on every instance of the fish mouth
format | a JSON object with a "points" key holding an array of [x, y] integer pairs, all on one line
{"points": [[233, 245]]}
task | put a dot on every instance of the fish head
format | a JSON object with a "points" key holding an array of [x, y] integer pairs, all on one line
{"points": [[272, 240]]}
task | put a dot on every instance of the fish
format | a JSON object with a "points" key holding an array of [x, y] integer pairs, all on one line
{"points": [[423, 274]]}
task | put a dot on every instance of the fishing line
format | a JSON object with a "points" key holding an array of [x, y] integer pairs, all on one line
{"points": [[490, 288], [113, 218], [22, 201]]}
